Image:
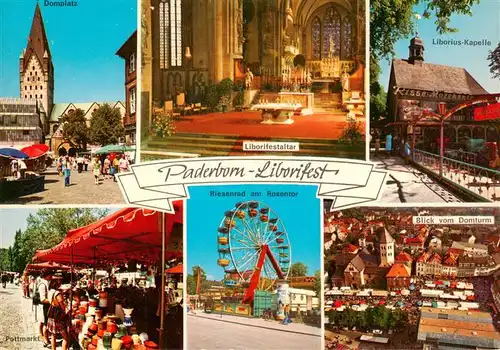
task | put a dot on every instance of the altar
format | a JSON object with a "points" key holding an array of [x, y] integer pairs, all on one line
{"points": [[277, 113], [305, 99]]}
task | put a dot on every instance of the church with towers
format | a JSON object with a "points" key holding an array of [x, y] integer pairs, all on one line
{"points": [[35, 115], [374, 264], [36, 70]]}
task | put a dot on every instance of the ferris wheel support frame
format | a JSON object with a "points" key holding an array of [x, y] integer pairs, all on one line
{"points": [[254, 281]]}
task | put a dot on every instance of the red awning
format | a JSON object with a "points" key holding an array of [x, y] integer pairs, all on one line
{"points": [[130, 233], [46, 265], [179, 269], [35, 151]]}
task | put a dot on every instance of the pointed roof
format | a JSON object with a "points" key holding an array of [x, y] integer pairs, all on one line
{"points": [[384, 237], [358, 263], [398, 270], [403, 257], [38, 44]]}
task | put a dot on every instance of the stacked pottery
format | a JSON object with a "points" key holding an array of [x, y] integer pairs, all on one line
{"points": [[111, 327], [98, 314], [144, 337], [122, 331], [92, 306], [101, 324], [116, 344], [127, 342], [85, 342], [103, 300], [150, 345], [100, 345], [119, 311], [136, 339], [127, 321], [84, 307], [107, 339]]}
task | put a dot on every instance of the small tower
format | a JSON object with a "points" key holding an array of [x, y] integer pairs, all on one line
{"points": [[385, 247], [36, 69], [416, 50]]}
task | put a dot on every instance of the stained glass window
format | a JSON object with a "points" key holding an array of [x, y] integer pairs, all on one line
{"points": [[316, 39], [175, 32], [170, 33], [347, 38], [331, 33], [164, 35]]}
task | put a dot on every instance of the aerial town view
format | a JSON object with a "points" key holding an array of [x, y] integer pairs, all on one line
{"points": [[254, 277], [412, 278]]}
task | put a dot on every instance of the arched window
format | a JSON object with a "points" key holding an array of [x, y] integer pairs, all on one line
{"points": [[316, 39], [170, 33], [331, 33], [347, 38]]}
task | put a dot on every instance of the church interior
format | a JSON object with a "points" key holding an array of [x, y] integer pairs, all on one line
{"points": [[216, 73]]}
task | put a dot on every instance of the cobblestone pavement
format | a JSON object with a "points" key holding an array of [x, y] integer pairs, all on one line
{"points": [[18, 328], [215, 332], [406, 184], [82, 190]]}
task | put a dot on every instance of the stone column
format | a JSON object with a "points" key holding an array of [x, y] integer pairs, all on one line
{"points": [[218, 42]]}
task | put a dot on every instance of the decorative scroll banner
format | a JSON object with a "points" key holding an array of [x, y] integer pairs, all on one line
{"points": [[157, 184]]}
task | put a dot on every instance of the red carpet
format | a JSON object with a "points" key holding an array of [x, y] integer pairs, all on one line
{"points": [[247, 124]]}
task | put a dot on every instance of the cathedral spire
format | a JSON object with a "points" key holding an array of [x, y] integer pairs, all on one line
{"points": [[38, 44]]}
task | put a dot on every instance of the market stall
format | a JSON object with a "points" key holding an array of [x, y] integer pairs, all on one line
{"points": [[119, 314], [11, 184]]}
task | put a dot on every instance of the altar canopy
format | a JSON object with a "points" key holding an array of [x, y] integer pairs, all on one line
{"points": [[130, 233]]}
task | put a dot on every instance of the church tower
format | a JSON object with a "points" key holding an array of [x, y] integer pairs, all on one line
{"points": [[36, 69], [385, 247], [416, 48]]}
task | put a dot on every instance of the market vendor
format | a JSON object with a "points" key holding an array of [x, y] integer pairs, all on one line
{"points": [[43, 290]]}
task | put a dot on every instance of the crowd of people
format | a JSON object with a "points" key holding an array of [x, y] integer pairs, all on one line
{"points": [[105, 167]]}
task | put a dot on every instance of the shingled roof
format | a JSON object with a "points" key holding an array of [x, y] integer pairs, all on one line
{"points": [[435, 77], [38, 44]]}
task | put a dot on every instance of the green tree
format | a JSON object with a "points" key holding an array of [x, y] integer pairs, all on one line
{"points": [[193, 278], [317, 284], [106, 125], [75, 128], [494, 58], [4, 259], [46, 228], [298, 269], [17, 263]]}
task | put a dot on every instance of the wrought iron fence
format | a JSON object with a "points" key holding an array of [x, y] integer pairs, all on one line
{"points": [[478, 180], [463, 156]]}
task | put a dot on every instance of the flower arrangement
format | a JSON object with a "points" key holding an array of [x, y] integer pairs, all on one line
{"points": [[163, 125]]}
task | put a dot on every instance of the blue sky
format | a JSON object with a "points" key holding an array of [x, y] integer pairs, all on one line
{"points": [[301, 217], [13, 219], [83, 41], [483, 24], [10, 221]]}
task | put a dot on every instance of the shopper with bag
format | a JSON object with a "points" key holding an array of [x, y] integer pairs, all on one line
{"points": [[41, 297]]}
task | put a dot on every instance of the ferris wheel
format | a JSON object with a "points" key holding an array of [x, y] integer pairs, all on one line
{"points": [[253, 247]]}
